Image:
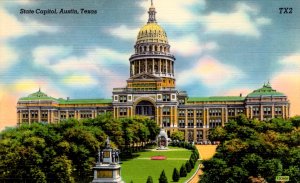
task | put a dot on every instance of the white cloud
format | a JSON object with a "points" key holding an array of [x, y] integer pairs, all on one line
{"points": [[189, 46], [11, 27], [87, 69], [124, 32], [244, 20], [45, 55], [8, 57], [61, 59], [288, 80], [79, 80], [175, 12], [209, 72]]}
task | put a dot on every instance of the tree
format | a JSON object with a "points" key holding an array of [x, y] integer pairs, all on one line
{"points": [[178, 135], [188, 166], [254, 150], [183, 172], [149, 179], [163, 177], [175, 175]]}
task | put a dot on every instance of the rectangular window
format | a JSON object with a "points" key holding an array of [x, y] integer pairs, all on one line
{"points": [[123, 111], [166, 111], [181, 101], [255, 111], [215, 112], [122, 98], [181, 113], [34, 114], [278, 110], [267, 110], [199, 135], [199, 123], [181, 123], [25, 114], [166, 121], [71, 114], [231, 112], [214, 122], [190, 112], [166, 97], [190, 123], [199, 112], [85, 114], [63, 115], [240, 111]]}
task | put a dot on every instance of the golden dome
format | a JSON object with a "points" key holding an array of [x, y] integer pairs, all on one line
{"points": [[152, 32]]}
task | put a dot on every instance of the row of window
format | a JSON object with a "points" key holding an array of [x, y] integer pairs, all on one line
{"points": [[267, 110], [63, 114]]}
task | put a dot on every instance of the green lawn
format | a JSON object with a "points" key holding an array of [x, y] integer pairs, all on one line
{"points": [[140, 167]]}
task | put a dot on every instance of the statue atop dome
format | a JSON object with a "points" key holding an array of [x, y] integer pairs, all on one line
{"points": [[151, 13]]}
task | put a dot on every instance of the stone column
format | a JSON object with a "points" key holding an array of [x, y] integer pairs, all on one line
{"points": [[157, 114], [273, 111], [159, 66], [52, 116], [223, 116], [146, 68], [261, 112], [194, 114], [139, 66], [166, 66], [78, 114], [185, 119], [67, 114], [29, 116], [207, 117], [171, 117], [39, 115], [226, 115], [175, 117], [48, 116], [153, 65]]}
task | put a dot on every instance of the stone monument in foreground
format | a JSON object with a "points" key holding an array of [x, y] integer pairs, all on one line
{"points": [[162, 140], [108, 169]]}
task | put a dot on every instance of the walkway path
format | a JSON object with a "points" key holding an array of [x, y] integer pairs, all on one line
{"points": [[206, 152]]}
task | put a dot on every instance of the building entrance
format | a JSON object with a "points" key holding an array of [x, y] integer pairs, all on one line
{"points": [[145, 108]]}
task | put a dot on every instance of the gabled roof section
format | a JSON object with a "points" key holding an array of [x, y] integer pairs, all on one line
{"points": [[84, 101], [216, 99], [266, 90], [39, 95]]}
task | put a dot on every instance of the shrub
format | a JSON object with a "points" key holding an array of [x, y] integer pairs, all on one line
{"points": [[188, 166], [175, 175], [183, 172], [149, 179], [163, 177]]}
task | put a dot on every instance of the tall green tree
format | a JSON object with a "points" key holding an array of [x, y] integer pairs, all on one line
{"points": [[149, 179], [183, 172], [175, 175], [163, 178]]}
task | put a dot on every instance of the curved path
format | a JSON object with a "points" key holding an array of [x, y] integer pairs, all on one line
{"points": [[205, 152]]}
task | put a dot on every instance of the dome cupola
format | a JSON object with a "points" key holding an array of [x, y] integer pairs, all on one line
{"points": [[152, 56]]}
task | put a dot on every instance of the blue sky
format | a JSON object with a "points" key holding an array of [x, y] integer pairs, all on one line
{"points": [[221, 47]]}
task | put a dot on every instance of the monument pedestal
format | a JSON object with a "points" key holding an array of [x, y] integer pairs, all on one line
{"points": [[107, 173], [107, 169]]}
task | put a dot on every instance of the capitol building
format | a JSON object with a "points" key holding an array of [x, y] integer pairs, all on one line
{"points": [[151, 91]]}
